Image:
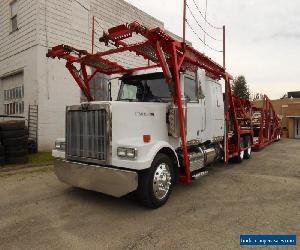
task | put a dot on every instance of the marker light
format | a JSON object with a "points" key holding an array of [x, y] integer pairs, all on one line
{"points": [[147, 138]]}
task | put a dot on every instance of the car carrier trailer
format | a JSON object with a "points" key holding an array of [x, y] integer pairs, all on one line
{"points": [[266, 124], [169, 123]]}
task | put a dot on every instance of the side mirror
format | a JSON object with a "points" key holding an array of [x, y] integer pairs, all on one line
{"points": [[109, 91], [200, 91]]}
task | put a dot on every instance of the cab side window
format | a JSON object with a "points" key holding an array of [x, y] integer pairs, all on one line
{"points": [[190, 89]]}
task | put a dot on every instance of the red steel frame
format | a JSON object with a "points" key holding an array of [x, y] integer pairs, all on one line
{"points": [[173, 57], [269, 127], [238, 123]]}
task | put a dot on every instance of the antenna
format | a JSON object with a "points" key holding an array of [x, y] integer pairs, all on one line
{"points": [[184, 22], [224, 47]]}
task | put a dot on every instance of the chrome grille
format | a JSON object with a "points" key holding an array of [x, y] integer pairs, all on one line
{"points": [[87, 135]]}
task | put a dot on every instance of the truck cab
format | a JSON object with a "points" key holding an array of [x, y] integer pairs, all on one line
{"points": [[133, 143]]}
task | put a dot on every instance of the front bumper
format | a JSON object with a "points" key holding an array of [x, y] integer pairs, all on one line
{"points": [[58, 154], [111, 181]]}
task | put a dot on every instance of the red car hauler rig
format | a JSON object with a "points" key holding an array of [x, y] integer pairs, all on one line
{"points": [[266, 124], [163, 137]]}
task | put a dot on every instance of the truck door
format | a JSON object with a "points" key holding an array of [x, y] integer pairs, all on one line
{"points": [[218, 109], [195, 109]]}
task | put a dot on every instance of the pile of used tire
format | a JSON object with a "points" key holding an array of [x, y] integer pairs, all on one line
{"points": [[14, 140], [2, 155]]}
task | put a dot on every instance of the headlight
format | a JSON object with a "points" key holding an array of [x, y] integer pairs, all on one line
{"points": [[122, 152], [127, 153], [60, 145]]}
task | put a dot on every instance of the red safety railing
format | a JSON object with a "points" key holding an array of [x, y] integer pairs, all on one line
{"points": [[266, 124]]}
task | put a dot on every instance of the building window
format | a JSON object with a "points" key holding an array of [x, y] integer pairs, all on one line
{"points": [[13, 101], [14, 15]]}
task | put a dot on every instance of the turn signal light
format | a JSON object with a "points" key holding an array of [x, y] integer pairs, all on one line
{"points": [[147, 138]]}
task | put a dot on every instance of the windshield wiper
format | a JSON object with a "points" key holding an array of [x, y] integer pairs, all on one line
{"points": [[188, 99], [159, 99], [127, 99]]}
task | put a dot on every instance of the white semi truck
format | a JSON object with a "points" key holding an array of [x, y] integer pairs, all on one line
{"points": [[133, 143], [168, 124]]}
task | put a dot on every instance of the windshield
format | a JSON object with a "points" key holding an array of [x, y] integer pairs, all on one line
{"points": [[145, 88]]}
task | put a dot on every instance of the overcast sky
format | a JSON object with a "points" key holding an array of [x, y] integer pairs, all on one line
{"points": [[263, 37]]}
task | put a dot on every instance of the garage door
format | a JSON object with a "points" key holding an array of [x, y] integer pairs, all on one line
{"points": [[13, 94]]}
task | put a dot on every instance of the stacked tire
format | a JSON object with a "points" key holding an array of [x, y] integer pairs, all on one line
{"points": [[14, 138], [2, 155]]}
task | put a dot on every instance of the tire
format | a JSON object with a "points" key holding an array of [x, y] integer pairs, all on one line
{"points": [[2, 160], [12, 125], [16, 153], [278, 137], [20, 146], [2, 151], [13, 133], [15, 141], [240, 157], [17, 160], [32, 147], [247, 152], [148, 192]]}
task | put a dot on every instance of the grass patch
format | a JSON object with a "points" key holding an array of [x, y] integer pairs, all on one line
{"points": [[35, 160], [41, 158], [24, 171]]}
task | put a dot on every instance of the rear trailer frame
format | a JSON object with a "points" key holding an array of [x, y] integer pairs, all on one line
{"points": [[158, 49], [266, 124]]}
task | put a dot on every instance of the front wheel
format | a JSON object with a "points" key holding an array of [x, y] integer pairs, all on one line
{"points": [[155, 184]]}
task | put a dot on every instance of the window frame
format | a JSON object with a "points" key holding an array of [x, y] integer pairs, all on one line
{"points": [[196, 85], [14, 100], [151, 76], [21, 107], [14, 16], [14, 93], [17, 108], [6, 109]]}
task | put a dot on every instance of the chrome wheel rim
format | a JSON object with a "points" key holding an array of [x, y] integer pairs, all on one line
{"points": [[242, 155], [249, 151], [161, 181]]}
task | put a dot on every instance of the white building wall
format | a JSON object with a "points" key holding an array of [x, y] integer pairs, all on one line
{"points": [[18, 49], [25, 63], [67, 20], [12, 43], [56, 91], [70, 22], [44, 24]]}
